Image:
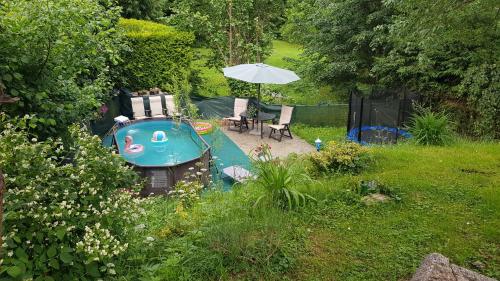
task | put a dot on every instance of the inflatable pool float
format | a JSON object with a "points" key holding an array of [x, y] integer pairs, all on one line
{"points": [[202, 127], [159, 136], [132, 148]]}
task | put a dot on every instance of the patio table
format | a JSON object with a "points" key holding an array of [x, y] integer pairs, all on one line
{"points": [[261, 116]]}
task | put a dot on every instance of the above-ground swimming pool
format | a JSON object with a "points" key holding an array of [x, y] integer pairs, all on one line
{"points": [[163, 151], [180, 145], [165, 161]]}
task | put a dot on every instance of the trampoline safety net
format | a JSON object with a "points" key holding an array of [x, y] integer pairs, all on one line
{"points": [[379, 118]]}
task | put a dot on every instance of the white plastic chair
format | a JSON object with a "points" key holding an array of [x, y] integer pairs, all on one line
{"points": [[284, 123]]}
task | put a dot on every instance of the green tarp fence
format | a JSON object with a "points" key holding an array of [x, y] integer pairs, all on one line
{"points": [[315, 115], [334, 115]]}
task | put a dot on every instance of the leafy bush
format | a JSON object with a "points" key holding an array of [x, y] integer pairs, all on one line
{"points": [[54, 56], [159, 56], [430, 128], [65, 217], [279, 181], [342, 157]]}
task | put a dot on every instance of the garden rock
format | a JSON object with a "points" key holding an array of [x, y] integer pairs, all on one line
{"points": [[375, 198], [436, 267]]}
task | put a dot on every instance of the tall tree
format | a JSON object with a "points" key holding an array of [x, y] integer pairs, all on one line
{"points": [[342, 39], [237, 31]]}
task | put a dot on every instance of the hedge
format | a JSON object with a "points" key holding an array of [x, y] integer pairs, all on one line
{"points": [[159, 56]]}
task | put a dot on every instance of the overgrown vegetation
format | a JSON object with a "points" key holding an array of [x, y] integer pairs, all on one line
{"points": [[65, 213], [55, 56], [445, 201], [279, 180], [446, 51]]}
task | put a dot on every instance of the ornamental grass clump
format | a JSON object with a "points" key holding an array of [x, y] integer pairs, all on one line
{"points": [[430, 128], [279, 181], [340, 157], [66, 216]]}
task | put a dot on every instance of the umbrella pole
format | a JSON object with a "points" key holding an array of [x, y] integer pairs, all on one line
{"points": [[258, 98]]}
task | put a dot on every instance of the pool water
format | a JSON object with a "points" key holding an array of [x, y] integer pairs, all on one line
{"points": [[179, 147], [225, 153]]}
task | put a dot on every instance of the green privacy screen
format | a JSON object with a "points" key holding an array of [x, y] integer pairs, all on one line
{"points": [[314, 115], [334, 115]]}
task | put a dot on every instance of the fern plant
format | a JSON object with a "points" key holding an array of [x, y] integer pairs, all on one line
{"points": [[430, 128]]}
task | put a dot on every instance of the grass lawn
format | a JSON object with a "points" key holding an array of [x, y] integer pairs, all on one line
{"points": [[449, 202], [326, 134], [301, 92]]}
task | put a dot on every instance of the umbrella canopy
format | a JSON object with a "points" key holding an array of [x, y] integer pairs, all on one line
{"points": [[260, 73]]}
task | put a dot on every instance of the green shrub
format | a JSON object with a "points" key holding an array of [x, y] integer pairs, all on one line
{"points": [[65, 217], [342, 157], [430, 128], [159, 56]]}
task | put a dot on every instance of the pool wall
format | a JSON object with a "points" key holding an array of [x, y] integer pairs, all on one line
{"points": [[161, 179]]}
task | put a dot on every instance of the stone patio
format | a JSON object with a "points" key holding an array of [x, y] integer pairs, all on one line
{"points": [[248, 140]]}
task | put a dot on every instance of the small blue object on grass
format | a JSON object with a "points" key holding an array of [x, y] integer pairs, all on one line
{"points": [[318, 143]]}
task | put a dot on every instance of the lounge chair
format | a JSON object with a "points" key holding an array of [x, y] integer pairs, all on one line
{"points": [[240, 107], [138, 108], [156, 107], [284, 123], [171, 107]]}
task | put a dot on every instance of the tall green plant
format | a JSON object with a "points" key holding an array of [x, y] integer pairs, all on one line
{"points": [[430, 128], [278, 180]]}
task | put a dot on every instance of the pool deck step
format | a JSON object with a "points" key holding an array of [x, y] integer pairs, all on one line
{"points": [[237, 173]]}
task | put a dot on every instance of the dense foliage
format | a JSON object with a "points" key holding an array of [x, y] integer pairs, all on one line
{"points": [[447, 51], [54, 56], [341, 38], [65, 217], [237, 31], [159, 56], [144, 9]]}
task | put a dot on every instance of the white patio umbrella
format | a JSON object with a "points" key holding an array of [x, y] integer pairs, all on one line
{"points": [[260, 73]]}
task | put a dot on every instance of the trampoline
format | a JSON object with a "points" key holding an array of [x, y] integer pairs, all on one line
{"points": [[377, 135], [378, 117]]}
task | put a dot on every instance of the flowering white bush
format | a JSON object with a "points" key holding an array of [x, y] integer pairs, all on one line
{"points": [[65, 212], [188, 190]]}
